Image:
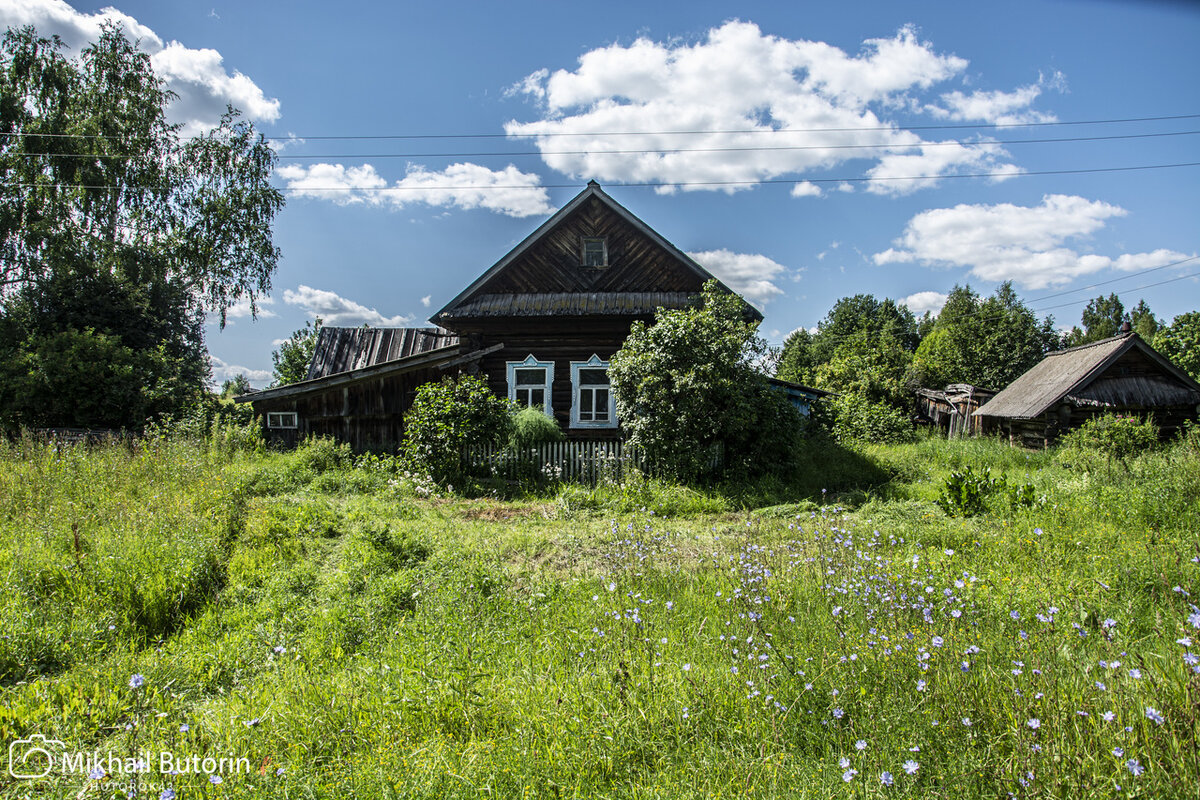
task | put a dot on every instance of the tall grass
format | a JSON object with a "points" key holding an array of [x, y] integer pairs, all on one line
{"points": [[361, 639]]}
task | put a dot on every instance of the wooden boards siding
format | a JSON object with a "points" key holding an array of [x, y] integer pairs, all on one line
{"points": [[635, 262]]}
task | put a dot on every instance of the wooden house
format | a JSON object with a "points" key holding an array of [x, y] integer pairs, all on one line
{"points": [[950, 410], [1121, 374], [541, 324]]}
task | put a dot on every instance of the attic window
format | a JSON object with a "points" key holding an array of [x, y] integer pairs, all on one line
{"points": [[595, 252]]}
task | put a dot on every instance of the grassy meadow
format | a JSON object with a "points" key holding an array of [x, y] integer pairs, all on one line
{"points": [[335, 629]]}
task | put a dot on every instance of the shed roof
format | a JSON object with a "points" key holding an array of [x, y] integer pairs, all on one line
{"points": [[346, 349], [1078, 375]]}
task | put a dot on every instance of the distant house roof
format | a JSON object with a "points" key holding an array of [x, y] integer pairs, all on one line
{"points": [[1081, 375], [477, 299], [346, 349]]}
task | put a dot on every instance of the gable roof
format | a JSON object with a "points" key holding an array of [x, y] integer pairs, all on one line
{"points": [[477, 300], [1077, 375]]}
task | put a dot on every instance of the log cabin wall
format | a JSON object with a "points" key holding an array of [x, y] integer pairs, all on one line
{"points": [[367, 415]]}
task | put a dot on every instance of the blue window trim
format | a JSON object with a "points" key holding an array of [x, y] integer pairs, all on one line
{"points": [[592, 363], [530, 361]]}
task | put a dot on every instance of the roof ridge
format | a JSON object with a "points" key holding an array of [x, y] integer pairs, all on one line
{"points": [[1097, 343]]}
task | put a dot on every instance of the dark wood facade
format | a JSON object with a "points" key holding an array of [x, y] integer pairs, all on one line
{"points": [[543, 299]]}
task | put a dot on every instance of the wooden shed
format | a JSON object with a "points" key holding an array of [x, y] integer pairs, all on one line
{"points": [[1121, 374], [951, 410], [541, 325]]}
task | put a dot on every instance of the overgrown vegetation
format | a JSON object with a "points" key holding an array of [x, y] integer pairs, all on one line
{"points": [[690, 395], [349, 632]]}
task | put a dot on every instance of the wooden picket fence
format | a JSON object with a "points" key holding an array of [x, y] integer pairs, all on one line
{"points": [[575, 462]]}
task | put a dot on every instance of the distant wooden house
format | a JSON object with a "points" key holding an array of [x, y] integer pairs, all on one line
{"points": [[541, 324], [951, 410], [1121, 374]]}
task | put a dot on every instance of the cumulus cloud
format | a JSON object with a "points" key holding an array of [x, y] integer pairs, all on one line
{"points": [[508, 191], [242, 308], [921, 302], [998, 107], [768, 106], [1024, 244], [749, 274], [338, 311], [221, 372], [199, 77]]}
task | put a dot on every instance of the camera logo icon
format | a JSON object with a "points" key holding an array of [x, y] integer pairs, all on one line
{"points": [[33, 757]]}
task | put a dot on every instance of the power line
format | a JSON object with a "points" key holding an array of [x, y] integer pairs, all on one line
{"points": [[1115, 280], [669, 184], [769, 148], [690, 132], [665, 150], [985, 126]]}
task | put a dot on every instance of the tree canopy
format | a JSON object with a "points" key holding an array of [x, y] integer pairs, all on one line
{"points": [[987, 342], [1180, 342], [295, 354], [116, 234]]}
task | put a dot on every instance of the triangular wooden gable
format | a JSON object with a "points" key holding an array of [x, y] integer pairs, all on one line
{"points": [[549, 260]]}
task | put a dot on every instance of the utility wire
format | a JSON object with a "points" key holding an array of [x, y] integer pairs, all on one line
{"points": [[668, 184], [977, 318], [693, 132], [667, 150]]}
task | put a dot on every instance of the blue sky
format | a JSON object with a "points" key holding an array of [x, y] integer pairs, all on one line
{"points": [[776, 142]]}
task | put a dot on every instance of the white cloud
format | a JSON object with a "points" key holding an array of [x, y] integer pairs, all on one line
{"points": [[748, 274], [921, 302], [1018, 243], [806, 189], [242, 308], [997, 107], [904, 173], [222, 372], [197, 76], [427, 300], [336, 310], [508, 191], [334, 182], [832, 105]]}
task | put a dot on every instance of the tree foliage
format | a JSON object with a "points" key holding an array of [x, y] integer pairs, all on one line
{"points": [[987, 342], [1180, 342], [449, 415], [689, 384], [116, 235], [295, 354]]}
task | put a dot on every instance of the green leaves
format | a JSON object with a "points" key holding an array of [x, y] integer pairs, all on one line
{"points": [[446, 417], [294, 355], [117, 234], [690, 383]]}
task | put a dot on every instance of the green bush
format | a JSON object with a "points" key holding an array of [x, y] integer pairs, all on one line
{"points": [[531, 427], [1111, 436], [857, 419], [966, 492], [449, 416]]}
